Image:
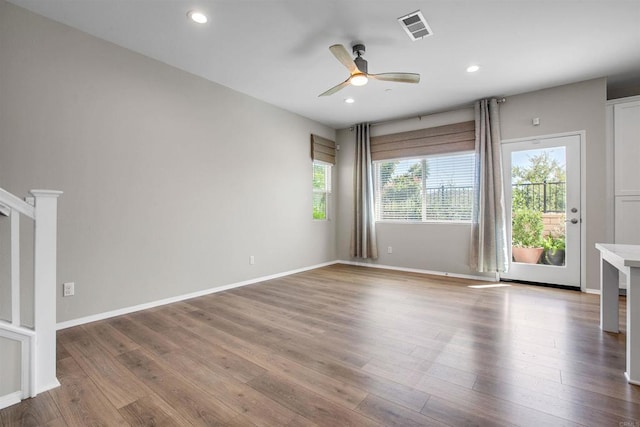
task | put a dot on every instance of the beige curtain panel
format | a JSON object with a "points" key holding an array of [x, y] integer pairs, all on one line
{"points": [[424, 142], [489, 251], [323, 149], [363, 232]]}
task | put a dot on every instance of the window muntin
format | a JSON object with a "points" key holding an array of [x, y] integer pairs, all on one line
{"points": [[425, 189], [321, 190]]}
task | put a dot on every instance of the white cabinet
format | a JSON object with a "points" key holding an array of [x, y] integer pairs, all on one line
{"points": [[627, 220], [626, 134], [623, 129]]}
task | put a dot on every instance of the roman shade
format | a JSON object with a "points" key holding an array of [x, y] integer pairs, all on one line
{"points": [[424, 142], [323, 149]]}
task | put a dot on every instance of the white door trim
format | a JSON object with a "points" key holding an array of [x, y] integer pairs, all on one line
{"points": [[583, 186]]}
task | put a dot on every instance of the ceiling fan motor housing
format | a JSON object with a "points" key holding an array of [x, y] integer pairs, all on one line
{"points": [[361, 63], [358, 49]]}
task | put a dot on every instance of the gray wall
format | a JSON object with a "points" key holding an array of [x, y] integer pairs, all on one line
{"points": [[170, 182], [445, 247]]}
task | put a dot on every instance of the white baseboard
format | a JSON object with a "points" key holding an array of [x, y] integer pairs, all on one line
{"points": [[10, 399], [49, 386], [145, 306], [415, 270], [592, 291], [152, 304]]}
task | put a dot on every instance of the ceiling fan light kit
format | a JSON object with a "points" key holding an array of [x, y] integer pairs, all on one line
{"points": [[359, 70], [358, 80]]}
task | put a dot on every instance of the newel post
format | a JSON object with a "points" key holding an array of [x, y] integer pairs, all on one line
{"points": [[45, 259]]}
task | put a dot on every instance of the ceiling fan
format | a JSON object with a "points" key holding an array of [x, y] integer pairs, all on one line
{"points": [[358, 69]]}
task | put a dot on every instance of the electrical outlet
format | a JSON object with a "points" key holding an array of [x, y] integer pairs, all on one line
{"points": [[68, 289], [389, 250], [252, 260]]}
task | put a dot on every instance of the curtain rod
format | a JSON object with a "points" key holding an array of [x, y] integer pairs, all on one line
{"points": [[384, 122]]}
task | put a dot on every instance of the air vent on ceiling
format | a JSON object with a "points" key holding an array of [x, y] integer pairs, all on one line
{"points": [[415, 25]]}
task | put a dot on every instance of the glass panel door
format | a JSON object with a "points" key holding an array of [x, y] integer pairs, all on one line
{"points": [[542, 191]]}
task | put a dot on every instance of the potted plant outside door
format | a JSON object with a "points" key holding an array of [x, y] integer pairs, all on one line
{"points": [[554, 247], [526, 236]]}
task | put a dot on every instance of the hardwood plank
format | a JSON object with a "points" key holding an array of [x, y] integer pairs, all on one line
{"points": [[456, 415], [239, 421], [114, 380], [396, 392], [37, 411], [80, 401], [307, 403], [331, 388], [390, 414], [142, 335], [112, 340], [473, 405], [254, 406], [300, 421], [151, 411], [195, 404], [58, 422], [214, 356], [550, 404]]}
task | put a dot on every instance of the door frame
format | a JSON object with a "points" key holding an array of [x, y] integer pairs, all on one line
{"points": [[583, 185]]}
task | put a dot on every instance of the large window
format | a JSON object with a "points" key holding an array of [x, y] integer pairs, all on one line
{"points": [[321, 189], [428, 188]]}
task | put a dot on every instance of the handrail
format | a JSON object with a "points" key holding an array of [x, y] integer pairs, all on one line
{"points": [[12, 202]]}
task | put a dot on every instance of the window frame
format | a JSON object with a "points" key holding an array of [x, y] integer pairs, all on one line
{"points": [[326, 190], [424, 182]]}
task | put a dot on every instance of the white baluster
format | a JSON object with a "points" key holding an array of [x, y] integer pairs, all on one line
{"points": [[15, 268]]}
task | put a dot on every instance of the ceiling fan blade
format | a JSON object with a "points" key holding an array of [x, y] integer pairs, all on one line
{"points": [[335, 88], [397, 77], [343, 56]]}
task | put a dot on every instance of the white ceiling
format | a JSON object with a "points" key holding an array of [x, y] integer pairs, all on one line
{"points": [[277, 50]]}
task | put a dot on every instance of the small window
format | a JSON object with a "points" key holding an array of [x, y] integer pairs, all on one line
{"points": [[321, 189], [425, 189]]}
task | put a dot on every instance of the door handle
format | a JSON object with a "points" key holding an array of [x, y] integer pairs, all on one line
{"points": [[572, 220]]}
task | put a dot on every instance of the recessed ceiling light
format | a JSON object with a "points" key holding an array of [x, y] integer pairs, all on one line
{"points": [[349, 100], [473, 68], [197, 17]]}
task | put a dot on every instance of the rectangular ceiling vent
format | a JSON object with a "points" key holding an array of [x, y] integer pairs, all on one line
{"points": [[415, 25]]}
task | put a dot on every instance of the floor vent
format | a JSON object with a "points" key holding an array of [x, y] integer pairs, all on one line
{"points": [[415, 25]]}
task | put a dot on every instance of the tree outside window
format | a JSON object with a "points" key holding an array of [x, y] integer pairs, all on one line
{"points": [[321, 189]]}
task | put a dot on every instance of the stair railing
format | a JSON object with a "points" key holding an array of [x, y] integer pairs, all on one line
{"points": [[37, 343]]}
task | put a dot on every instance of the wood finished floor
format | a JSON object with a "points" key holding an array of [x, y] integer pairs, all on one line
{"points": [[341, 346]]}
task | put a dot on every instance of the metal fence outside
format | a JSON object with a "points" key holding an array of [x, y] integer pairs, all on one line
{"points": [[546, 197]]}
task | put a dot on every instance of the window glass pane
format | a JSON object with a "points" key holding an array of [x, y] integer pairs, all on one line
{"points": [[449, 192], [400, 184], [319, 176], [319, 206], [433, 188], [321, 189]]}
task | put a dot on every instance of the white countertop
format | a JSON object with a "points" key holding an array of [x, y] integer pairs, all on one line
{"points": [[628, 254]]}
